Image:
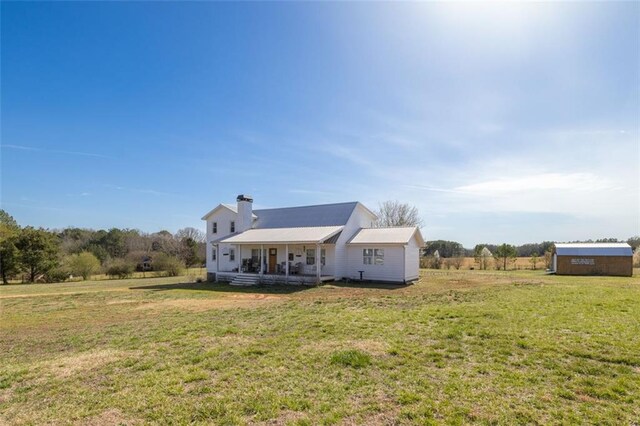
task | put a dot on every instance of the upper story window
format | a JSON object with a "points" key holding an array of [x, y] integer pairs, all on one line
{"points": [[232, 228], [214, 228]]}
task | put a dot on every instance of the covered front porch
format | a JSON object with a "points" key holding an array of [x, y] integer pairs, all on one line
{"points": [[288, 263], [289, 255]]}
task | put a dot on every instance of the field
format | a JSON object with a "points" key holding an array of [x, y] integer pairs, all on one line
{"points": [[518, 263], [456, 347]]}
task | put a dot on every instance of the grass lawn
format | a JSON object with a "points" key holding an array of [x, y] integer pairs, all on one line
{"points": [[456, 347]]}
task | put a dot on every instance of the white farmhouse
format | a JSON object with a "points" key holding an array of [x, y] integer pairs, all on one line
{"points": [[307, 244]]}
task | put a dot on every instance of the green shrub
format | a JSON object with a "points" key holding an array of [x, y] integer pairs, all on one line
{"points": [[171, 266], [84, 264], [351, 358], [57, 275], [119, 268]]}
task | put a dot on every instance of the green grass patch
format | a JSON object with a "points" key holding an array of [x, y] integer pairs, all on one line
{"points": [[457, 347], [351, 358]]}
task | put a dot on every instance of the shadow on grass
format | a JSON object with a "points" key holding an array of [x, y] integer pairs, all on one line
{"points": [[267, 288], [369, 284], [225, 288]]}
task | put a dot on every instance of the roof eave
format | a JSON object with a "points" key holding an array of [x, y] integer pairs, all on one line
{"points": [[218, 207], [319, 241]]}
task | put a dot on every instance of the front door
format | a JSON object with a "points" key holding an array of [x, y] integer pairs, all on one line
{"points": [[273, 260]]}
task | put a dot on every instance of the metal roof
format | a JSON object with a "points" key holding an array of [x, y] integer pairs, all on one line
{"points": [[594, 249], [316, 234], [304, 216], [333, 239], [396, 235]]}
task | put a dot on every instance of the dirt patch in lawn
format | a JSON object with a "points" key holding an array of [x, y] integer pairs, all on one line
{"points": [[122, 302], [111, 416], [198, 305], [60, 293], [67, 366], [226, 341]]}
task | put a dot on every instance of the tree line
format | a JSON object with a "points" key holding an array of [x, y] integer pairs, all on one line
{"points": [[37, 254], [443, 253]]}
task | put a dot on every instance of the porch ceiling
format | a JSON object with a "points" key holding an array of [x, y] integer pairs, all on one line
{"points": [[304, 235]]}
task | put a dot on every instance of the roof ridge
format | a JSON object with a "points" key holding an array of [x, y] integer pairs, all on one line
{"points": [[394, 227], [311, 205], [298, 227]]}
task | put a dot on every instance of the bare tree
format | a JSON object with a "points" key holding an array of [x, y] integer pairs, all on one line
{"points": [[457, 261], [533, 260], [191, 233], [395, 213], [138, 242]]}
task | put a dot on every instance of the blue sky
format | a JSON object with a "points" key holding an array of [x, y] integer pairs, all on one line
{"points": [[500, 122]]}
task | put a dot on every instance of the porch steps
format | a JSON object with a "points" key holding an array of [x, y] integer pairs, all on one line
{"points": [[242, 280]]}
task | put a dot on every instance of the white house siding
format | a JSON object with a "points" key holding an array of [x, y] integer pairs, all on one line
{"points": [[412, 260], [223, 217], [360, 218], [392, 269]]}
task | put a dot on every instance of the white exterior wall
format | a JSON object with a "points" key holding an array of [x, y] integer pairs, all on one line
{"points": [[360, 218], [223, 217], [393, 268], [411, 261]]}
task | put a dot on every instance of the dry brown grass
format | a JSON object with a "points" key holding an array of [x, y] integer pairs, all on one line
{"points": [[199, 305], [521, 263], [67, 366], [112, 416]]}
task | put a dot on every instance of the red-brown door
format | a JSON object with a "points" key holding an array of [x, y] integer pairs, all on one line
{"points": [[273, 260]]}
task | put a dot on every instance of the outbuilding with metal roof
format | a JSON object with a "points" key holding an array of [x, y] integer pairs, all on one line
{"points": [[593, 259]]}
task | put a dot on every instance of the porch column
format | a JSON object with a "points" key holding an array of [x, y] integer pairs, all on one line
{"points": [[239, 258], [286, 262], [318, 265], [261, 259]]}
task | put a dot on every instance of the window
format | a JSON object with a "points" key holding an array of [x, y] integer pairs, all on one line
{"points": [[232, 228], [232, 255], [213, 252], [323, 256], [311, 256], [379, 256], [214, 228], [373, 256], [255, 256], [367, 256]]}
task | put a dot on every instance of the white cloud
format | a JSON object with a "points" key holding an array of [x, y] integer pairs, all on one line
{"points": [[53, 151], [582, 182]]}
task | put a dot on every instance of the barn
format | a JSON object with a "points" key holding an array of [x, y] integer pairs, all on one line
{"points": [[593, 259]]}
